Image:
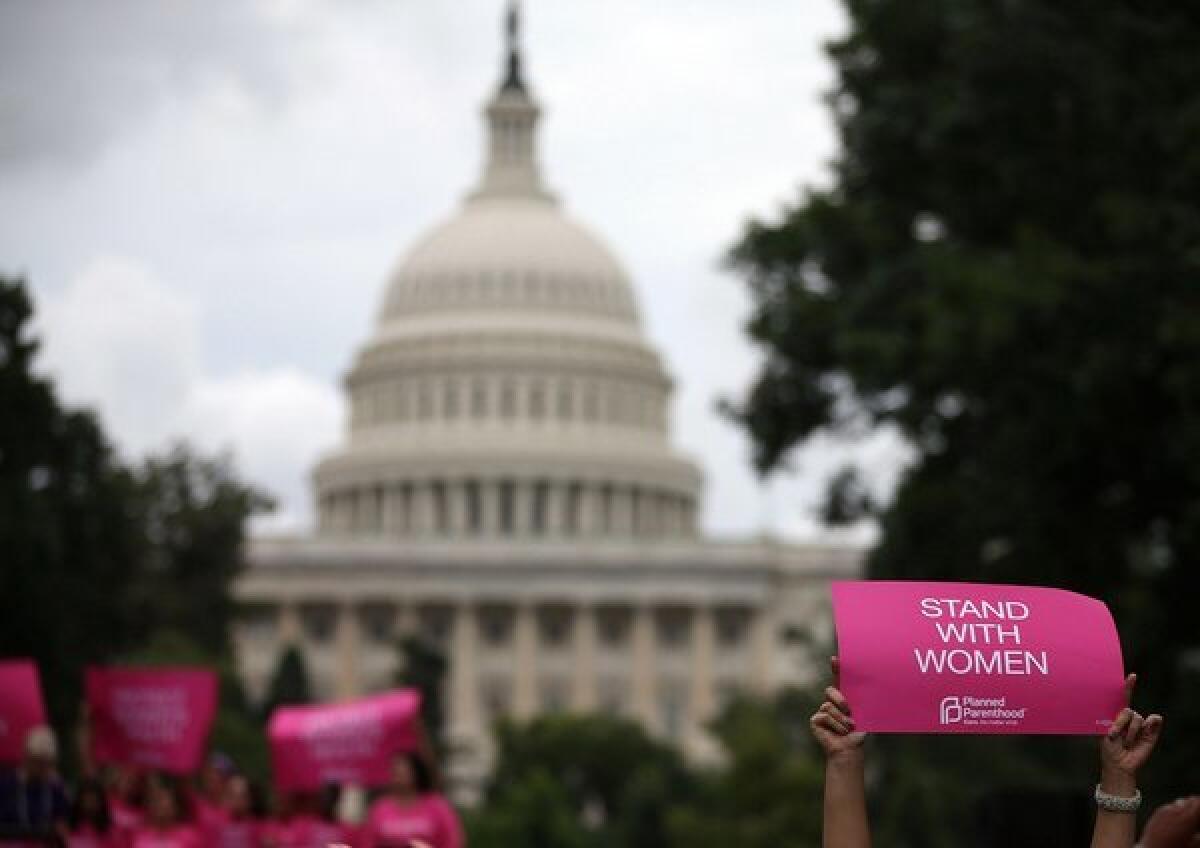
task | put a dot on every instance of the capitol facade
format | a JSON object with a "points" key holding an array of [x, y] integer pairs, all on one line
{"points": [[508, 490]]}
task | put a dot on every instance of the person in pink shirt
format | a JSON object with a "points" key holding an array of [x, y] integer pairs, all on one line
{"points": [[168, 821], [412, 814], [208, 798], [237, 823], [307, 823], [90, 824], [126, 800]]}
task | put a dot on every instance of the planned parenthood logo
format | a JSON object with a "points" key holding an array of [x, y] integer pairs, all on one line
{"points": [[971, 711]]}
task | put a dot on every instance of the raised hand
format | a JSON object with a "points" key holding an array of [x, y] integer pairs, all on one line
{"points": [[1128, 744], [832, 724]]}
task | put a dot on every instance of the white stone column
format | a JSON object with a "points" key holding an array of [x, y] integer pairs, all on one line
{"points": [[702, 699], [346, 683], [289, 624], [645, 695], [464, 682], [762, 647], [583, 695], [525, 662]]}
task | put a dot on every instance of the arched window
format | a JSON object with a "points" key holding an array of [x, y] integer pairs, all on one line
{"points": [[508, 506], [474, 507], [565, 407], [537, 401], [508, 399], [541, 497], [479, 399]]}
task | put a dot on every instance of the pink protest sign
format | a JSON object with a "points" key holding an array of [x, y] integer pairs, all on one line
{"points": [[153, 717], [976, 658], [21, 707], [350, 742]]}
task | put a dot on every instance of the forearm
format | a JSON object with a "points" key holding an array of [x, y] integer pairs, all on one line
{"points": [[1115, 830], [845, 813]]}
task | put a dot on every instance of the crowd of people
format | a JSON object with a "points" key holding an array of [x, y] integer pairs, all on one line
{"points": [[131, 807], [1123, 751]]}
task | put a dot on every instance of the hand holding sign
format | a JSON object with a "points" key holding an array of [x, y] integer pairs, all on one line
{"points": [[1127, 745], [832, 724]]}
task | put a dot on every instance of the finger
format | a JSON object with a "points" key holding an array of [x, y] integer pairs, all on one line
{"points": [[826, 721], [837, 699], [1130, 683], [835, 665], [1152, 729], [1134, 729], [832, 710], [1122, 722]]}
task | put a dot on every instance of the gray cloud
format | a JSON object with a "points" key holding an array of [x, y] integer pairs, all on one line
{"points": [[75, 75]]}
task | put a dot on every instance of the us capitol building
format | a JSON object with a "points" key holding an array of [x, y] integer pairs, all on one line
{"points": [[508, 490]]}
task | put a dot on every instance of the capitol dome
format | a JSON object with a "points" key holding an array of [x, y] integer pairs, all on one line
{"points": [[507, 389]]}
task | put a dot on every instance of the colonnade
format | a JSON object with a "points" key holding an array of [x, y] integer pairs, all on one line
{"points": [[505, 507], [670, 679]]}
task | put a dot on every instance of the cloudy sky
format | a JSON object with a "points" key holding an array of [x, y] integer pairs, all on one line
{"points": [[205, 198]]}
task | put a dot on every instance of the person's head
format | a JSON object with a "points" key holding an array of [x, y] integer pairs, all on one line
{"points": [[41, 753], [90, 806], [218, 769], [167, 801], [331, 797], [243, 799], [410, 775]]}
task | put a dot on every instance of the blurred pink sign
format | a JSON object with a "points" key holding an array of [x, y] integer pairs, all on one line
{"points": [[976, 658], [21, 706], [153, 717], [350, 742]]}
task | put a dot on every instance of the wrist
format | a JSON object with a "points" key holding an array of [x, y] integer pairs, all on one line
{"points": [[847, 759], [1118, 782]]}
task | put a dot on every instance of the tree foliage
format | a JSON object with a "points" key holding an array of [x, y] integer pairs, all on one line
{"points": [[1005, 269], [422, 667], [98, 558], [290, 682]]}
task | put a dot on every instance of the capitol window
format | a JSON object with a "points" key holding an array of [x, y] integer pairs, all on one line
{"points": [[613, 627], [508, 506], [731, 628], [496, 625], [554, 626], [317, 622], [541, 498], [672, 626], [450, 399], [474, 507], [537, 401], [479, 399], [377, 620], [508, 399], [564, 401]]}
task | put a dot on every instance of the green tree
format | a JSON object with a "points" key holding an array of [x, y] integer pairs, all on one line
{"points": [[605, 772], [193, 512], [768, 792], [70, 543], [422, 667], [98, 558], [290, 683], [1004, 269], [534, 812]]}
